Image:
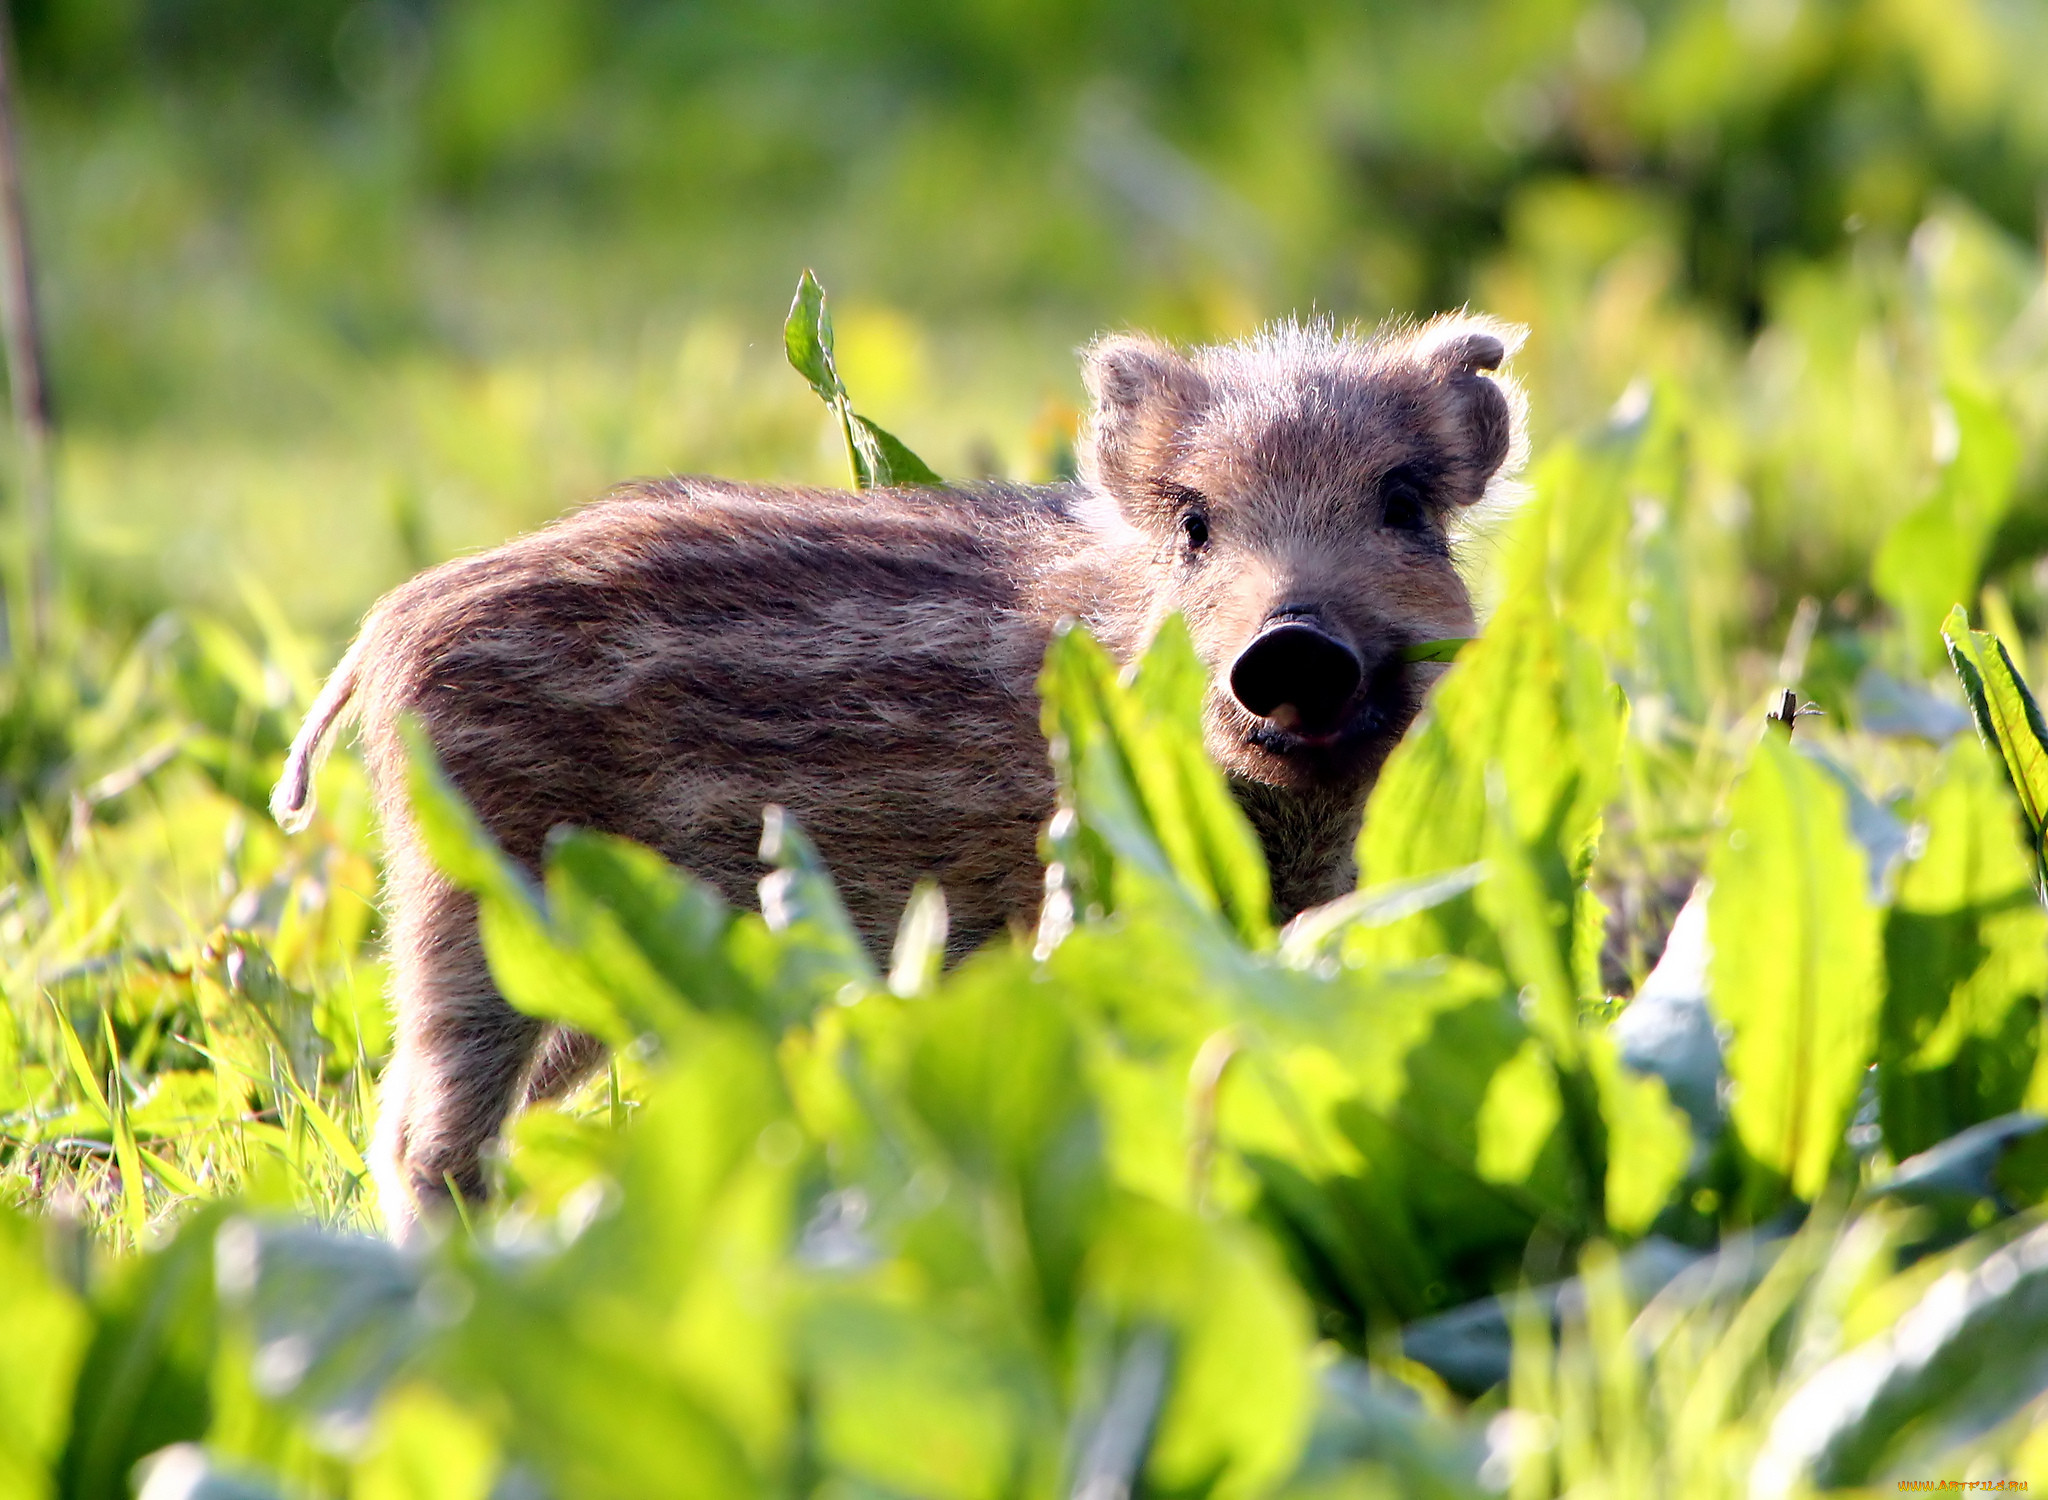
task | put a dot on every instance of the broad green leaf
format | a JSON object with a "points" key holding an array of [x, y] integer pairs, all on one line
{"points": [[621, 943], [1320, 931], [1238, 1396], [700, 1134], [2009, 720], [663, 1369], [145, 1379], [534, 972], [1406, 1164], [1529, 902], [46, 1335], [878, 458], [1532, 916], [1966, 964], [1532, 699], [1932, 558], [461, 846], [1132, 766], [708, 1217], [908, 1399], [1649, 1141], [425, 1447], [1520, 1111], [807, 339], [1568, 546], [592, 1404], [883, 460], [821, 956], [994, 1072], [656, 938], [1796, 972], [1664, 641]]}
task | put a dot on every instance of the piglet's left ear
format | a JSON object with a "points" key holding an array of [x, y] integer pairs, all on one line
{"points": [[1484, 414], [1470, 352]]}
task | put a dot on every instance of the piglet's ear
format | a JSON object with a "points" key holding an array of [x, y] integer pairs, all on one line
{"points": [[1470, 352], [1484, 414], [1145, 396]]}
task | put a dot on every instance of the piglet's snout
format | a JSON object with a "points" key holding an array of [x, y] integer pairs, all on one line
{"points": [[1297, 675]]}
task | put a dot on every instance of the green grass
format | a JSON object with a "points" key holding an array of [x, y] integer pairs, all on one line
{"points": [[1170, 1192]]}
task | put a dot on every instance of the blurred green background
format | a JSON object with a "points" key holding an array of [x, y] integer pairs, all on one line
{"points": [[335, 289]]}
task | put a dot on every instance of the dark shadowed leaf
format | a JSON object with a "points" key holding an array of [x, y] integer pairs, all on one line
{"points": [[1375, 1436], [1668, 1029], [2009, 720], [1966, 961], [1965, 1167], [1472, 1346], [332, 1317], [1972, 1351]]}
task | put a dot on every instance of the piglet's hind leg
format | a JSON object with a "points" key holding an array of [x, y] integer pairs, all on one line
{"points": [[457, 1064]]}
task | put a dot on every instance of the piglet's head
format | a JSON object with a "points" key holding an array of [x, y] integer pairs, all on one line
{"points": [[1297, 496]]}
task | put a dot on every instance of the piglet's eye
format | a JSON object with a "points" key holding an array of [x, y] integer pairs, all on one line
{"points": [[1195, 527], [1402, 507]]}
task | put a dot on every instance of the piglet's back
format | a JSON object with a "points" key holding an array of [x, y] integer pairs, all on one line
{"points": [[664, 663]]}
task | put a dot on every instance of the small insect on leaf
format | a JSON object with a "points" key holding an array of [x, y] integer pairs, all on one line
{"points": [[1443, 650]]}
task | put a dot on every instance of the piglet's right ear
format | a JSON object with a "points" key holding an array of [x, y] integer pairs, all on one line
{"points": [[1145, 396]]}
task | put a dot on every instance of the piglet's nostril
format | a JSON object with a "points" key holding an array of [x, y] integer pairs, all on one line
{"points": [[1296, 666]]}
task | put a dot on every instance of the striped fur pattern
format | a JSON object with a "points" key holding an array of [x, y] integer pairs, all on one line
{"points": [[667, 661]]}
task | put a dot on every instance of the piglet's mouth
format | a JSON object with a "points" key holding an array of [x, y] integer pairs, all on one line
{"points": [[1374, 713], [1286, 724]]}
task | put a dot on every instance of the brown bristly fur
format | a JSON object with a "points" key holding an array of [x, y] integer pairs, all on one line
{"points": [[666, 662]]}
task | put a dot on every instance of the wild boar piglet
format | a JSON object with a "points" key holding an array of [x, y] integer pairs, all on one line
{"points": [[666, 662]]}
